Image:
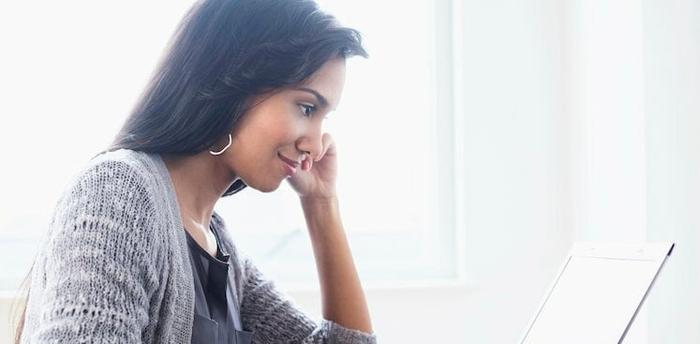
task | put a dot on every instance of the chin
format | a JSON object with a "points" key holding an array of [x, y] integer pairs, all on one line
{"points": [[266, 187]]}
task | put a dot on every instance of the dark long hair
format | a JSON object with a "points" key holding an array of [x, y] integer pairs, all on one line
{"points": [[223, 53]]}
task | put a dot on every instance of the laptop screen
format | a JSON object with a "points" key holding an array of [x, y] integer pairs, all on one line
{"points": [[593, 300]]}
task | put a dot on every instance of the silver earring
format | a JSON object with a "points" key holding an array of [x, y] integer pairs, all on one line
{"points": [[225, 148]]}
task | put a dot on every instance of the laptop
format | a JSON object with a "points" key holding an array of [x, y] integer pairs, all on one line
{"points": [[597, 293]]}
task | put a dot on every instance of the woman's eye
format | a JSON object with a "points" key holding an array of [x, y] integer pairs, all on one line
{"points": [[308, 110]]}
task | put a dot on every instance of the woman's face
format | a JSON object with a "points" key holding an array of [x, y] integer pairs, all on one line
{"points": [[285, 124]]}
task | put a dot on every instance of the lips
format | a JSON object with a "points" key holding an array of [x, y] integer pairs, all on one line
{"points": [[290, 166], [288, 161]]}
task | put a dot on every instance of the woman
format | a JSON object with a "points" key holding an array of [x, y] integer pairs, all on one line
{"points": [[135, 252]]}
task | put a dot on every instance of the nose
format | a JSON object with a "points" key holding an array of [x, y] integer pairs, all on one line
{"points": [[311, 143]]}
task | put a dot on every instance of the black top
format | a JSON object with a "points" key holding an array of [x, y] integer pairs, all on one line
{"points": [[216, 315]]}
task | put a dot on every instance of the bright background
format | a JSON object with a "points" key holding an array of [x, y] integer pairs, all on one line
{"points": [[535, 123]]}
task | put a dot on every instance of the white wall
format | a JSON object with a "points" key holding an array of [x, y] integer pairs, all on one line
{"points": [[516, 208], [672, 65], [605, 100]]}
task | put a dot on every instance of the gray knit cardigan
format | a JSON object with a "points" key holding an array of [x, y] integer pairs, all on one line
{"points": [[114, 267]]}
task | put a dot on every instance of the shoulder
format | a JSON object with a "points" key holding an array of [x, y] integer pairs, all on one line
{"points": [[113, 183], [121, 164], [111, 172]]}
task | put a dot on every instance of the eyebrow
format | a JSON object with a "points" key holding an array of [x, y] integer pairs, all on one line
{"points": [[321, 99]]}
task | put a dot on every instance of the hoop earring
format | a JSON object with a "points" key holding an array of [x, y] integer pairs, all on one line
{"points": [[225, 148]]}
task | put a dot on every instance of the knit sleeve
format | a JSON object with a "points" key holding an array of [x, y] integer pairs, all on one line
{"points": [[98, 270], [273, 318]]}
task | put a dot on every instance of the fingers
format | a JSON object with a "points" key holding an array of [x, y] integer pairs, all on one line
{"points": [[328, 145]]}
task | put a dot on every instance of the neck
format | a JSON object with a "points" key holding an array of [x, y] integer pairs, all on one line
{"points": [[200, 180]]}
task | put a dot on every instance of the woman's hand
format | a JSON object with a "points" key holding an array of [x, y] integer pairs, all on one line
{"points": [[341, 292], [316, 178]]}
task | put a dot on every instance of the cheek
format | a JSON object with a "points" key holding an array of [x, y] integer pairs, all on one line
{"points": [[253, 153], [280, 133], [265, 133]]}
